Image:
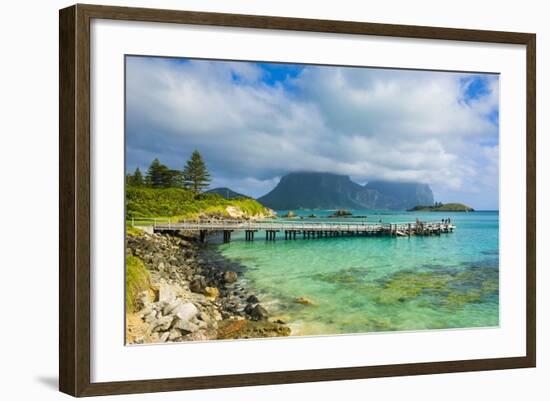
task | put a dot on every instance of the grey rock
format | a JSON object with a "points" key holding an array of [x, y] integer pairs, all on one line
{"points": [[171, 306], [204, 317], [252, 299], [164, 337], [174, 334], [145, 311], [151, 317], [230, 277], [166, 294], [163, 323], [186, 326], [259, 313], [248, 309], [186, 311], [198, 285]]}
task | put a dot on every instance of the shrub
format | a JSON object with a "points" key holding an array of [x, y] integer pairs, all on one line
{"points": [[137, 280], [182, 203]]}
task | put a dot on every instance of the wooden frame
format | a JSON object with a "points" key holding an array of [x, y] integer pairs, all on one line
{"points": [[74, 200]]}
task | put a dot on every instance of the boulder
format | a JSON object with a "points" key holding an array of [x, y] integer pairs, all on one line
{"points": [[198, 285], [259, 313], [168, 308], [248, 309], [230, 277], [163, 323], [174, 334], [304, 301], [150, 318], [166, 293], [186, 326], [212, 292], [185, 312], [252, 299], [145, 311]]}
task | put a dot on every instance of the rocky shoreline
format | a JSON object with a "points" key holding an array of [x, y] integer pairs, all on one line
{"points": [[195, 295]]}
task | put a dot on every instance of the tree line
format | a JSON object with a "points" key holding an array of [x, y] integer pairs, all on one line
{"points": [[194, 176]]}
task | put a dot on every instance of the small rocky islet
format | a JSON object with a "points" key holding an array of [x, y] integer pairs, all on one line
{"points": [[192, 295]]}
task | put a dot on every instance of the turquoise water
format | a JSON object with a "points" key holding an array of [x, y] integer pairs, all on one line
{"points": [[358, 284]]}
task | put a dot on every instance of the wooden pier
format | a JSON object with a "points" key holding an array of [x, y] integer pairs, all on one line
{"points": [[298, 230]]}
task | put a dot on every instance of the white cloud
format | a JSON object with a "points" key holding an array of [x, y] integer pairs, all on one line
{"points": [[388, 124]]}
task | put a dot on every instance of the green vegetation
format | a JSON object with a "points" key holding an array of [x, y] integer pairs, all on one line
{"points": [[160, 176], [442, 207], [168, 193], [137, 281], [342, 213], [136, 179], [449, 288], [183, 203], [133, 231], [195, 174], [226, 193]]}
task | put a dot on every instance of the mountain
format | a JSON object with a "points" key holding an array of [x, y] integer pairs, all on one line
{"points": [[308, 190], [401, 195], [226, 193]]}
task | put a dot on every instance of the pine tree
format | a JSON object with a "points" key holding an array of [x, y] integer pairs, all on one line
{"points": [[129, 179], [195, 174], [156, 175], [174, 179], [137, 179], [171, 178]]}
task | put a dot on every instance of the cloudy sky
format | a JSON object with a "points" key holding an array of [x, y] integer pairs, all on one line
{"points": [[254, 122]]}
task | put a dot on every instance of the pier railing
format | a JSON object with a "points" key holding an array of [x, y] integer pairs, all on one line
{"points": [[161, 224]]}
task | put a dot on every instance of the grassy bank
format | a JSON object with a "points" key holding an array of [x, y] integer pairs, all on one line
{"points": [[137, 281], [183, 203]]}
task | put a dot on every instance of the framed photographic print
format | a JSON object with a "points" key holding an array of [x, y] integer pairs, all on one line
{"points": [[250, 200]]}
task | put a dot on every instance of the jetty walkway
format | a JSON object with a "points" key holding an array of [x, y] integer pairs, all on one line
{"points": [[293, 230]]}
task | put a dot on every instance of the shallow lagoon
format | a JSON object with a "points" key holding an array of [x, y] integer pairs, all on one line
{"points": [[359, 284]]}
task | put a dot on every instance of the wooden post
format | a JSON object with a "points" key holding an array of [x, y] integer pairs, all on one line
{"points": [[202, 237]]}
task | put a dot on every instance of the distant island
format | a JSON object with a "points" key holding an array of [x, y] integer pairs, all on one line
{"points": [[442, 207], [342, 213], [314, 190]]}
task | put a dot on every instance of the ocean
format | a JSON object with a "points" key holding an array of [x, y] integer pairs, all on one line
{"points": [[376, 284]]}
